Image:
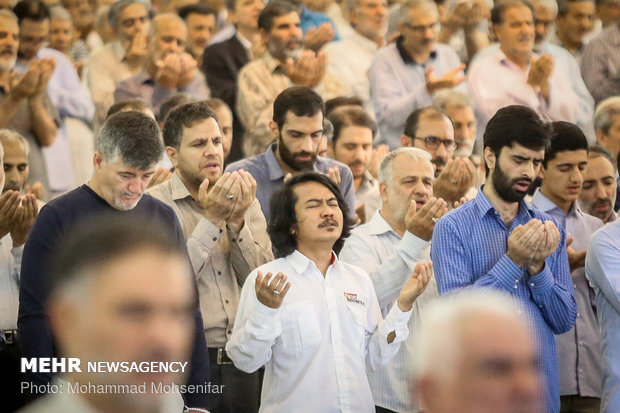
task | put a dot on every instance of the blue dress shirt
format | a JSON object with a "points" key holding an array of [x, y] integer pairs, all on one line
{"points": [[469, 248], [603, 272], [310, 19]]}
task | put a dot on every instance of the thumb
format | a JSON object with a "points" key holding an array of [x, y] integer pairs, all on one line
{"points": [[204, 186], [413, 207], [569, 240]]}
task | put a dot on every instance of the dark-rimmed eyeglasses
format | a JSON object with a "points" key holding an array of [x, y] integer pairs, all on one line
{"points": [[433, 143]]}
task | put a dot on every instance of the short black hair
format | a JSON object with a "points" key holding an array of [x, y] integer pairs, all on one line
{"points": [[35, 10], [301, 100], [282, 219], [565, 136], [350, 116], [172, 102], [413, 120], [197, 8], [516, 124], [563, 6], [131, 137], [334, 103], [135, 104], [93, 243], [498, 12], [184, 116], [272, 10]]}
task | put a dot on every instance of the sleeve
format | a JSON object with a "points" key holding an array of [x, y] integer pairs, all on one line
{"points": [[69, 95], [124, 91], [255, 332], [388, 274], [552, 289], [250, 248], [101, 84], [35, 334], [603, 267], [201, 242], [596, 71], [378, 350], [220, 78], [347, 188]]}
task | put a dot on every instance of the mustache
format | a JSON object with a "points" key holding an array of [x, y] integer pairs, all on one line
{"points": [[600, 202], [328, 222], [129, 193], [439, 162], [11, 186]]}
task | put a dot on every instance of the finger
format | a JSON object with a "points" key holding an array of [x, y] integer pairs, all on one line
{"points": [[222, 184], [204, 186], [287, 287], [569, 240], [411, 211]]}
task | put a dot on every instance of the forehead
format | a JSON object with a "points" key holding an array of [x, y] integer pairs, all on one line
{"points": [[542, 12], [517, 12], [436, 126], [120, 166], [14, 149], [196, 18], [28, 25], [132, 11], [171, 27], [291, 18], [460, 112], [599, 167], [8, 25], [519, 150], [578, 156], [205, 128], [311, 190], [580, 7], [302, 123], [422, 15], [224, 115], [355, 134], [60, 22], [404, 165]]}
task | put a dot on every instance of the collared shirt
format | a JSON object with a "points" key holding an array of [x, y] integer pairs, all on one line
{"points": [[349, 61], [603, 272], [366, 186], [317, 345], [579, 355], [10, 264], [554, 39], [221, 258], [494, 81], [107, 68], [600, 65], [563, 59], [259, 83], [469, 249], [390, 260], [314, 19], [334, 12], [398, 86], [269, 176], [143, 86]]}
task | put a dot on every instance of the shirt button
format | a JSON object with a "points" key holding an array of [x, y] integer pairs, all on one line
{"points": [[214, 238], [229, 332], [233, 240], [539, 305], [519, 311], [516, 281], [240, 239], [226, 301], [574, 285], [219, 273], [531, 284], [578, 315], [516, 286], [581, 343]]}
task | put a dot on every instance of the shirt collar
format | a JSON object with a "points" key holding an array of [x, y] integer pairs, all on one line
{"points": [[404, 54], [484, 205], [540, 201], [275, 172], [378, 225], [244, 42], [178, 190], [272, 64], [300, 262], [365, 42], [144, 77]]}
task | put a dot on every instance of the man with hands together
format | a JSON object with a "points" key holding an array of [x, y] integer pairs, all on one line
{"points": [[226, 238], [316, 324], [498, 241]]}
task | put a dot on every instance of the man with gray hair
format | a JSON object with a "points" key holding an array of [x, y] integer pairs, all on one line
{"points": [[457, 106], [390, 245], [475, 353], [607, 128], [120, 59], [127, 150]]}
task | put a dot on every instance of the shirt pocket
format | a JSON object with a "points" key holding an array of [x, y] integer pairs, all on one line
{"points": [[300, 328], [359, 326]]}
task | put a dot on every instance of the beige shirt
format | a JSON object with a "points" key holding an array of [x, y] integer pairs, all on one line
{"points": [[259, 83], [221, 259], [106, 69]]}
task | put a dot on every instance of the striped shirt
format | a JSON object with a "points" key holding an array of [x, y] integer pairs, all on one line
{"points": [[600, 65], [469, 249]]}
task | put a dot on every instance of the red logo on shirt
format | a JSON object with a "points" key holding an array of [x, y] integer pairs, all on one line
{"points": [[352, 298]]}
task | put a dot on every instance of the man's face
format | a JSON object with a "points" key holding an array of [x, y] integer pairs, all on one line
{"points": [[435, 128], [599, 188], [246, 13], [577, 21], [319, 218], [169, 38], [9, 40], [516, 33], [61, 34], [608, 11], [225, 120], [175, 5], [464, 123], [285, 38], [611, 139], [32, 36], [81, 12], [16, 168], [420, 33], [411, 181], [514, 170], [131, 21], [495, 370], [543, 23], [121, 185], [370, 18], [200, 154], [139, 309], [199, 30], [563, 176], [299, 140], [354, 148]]}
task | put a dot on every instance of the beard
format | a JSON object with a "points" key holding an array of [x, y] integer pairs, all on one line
{"points": [[288, 158], [504, 186], [7, 63]]}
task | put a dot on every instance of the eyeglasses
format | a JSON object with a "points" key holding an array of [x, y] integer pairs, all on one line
{"points": [[420, 30], [433, 143]]}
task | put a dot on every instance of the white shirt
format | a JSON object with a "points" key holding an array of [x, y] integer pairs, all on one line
{"points": [[390, 260], [349, 62], [10, 264], [317, 345]]}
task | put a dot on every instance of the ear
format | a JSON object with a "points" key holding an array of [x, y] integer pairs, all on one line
{"points": [[172, 154], [601, 137], [405, 141], [489, 159], [330, 150], [383, 191], [264, 34], [273, 127], [97, 161]]}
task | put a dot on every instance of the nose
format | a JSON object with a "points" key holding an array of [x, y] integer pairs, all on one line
{"points": [[441, 152], [307, 145], [137, 185], [600, 191], [327, 210]]}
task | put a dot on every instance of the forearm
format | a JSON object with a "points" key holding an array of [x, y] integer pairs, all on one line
{"points": [[8, 108], [44, 126], [248, 250], [380, 349], [475, 40]]}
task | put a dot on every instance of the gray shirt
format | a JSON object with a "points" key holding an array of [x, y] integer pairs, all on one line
{"points": [[269, 176]]}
